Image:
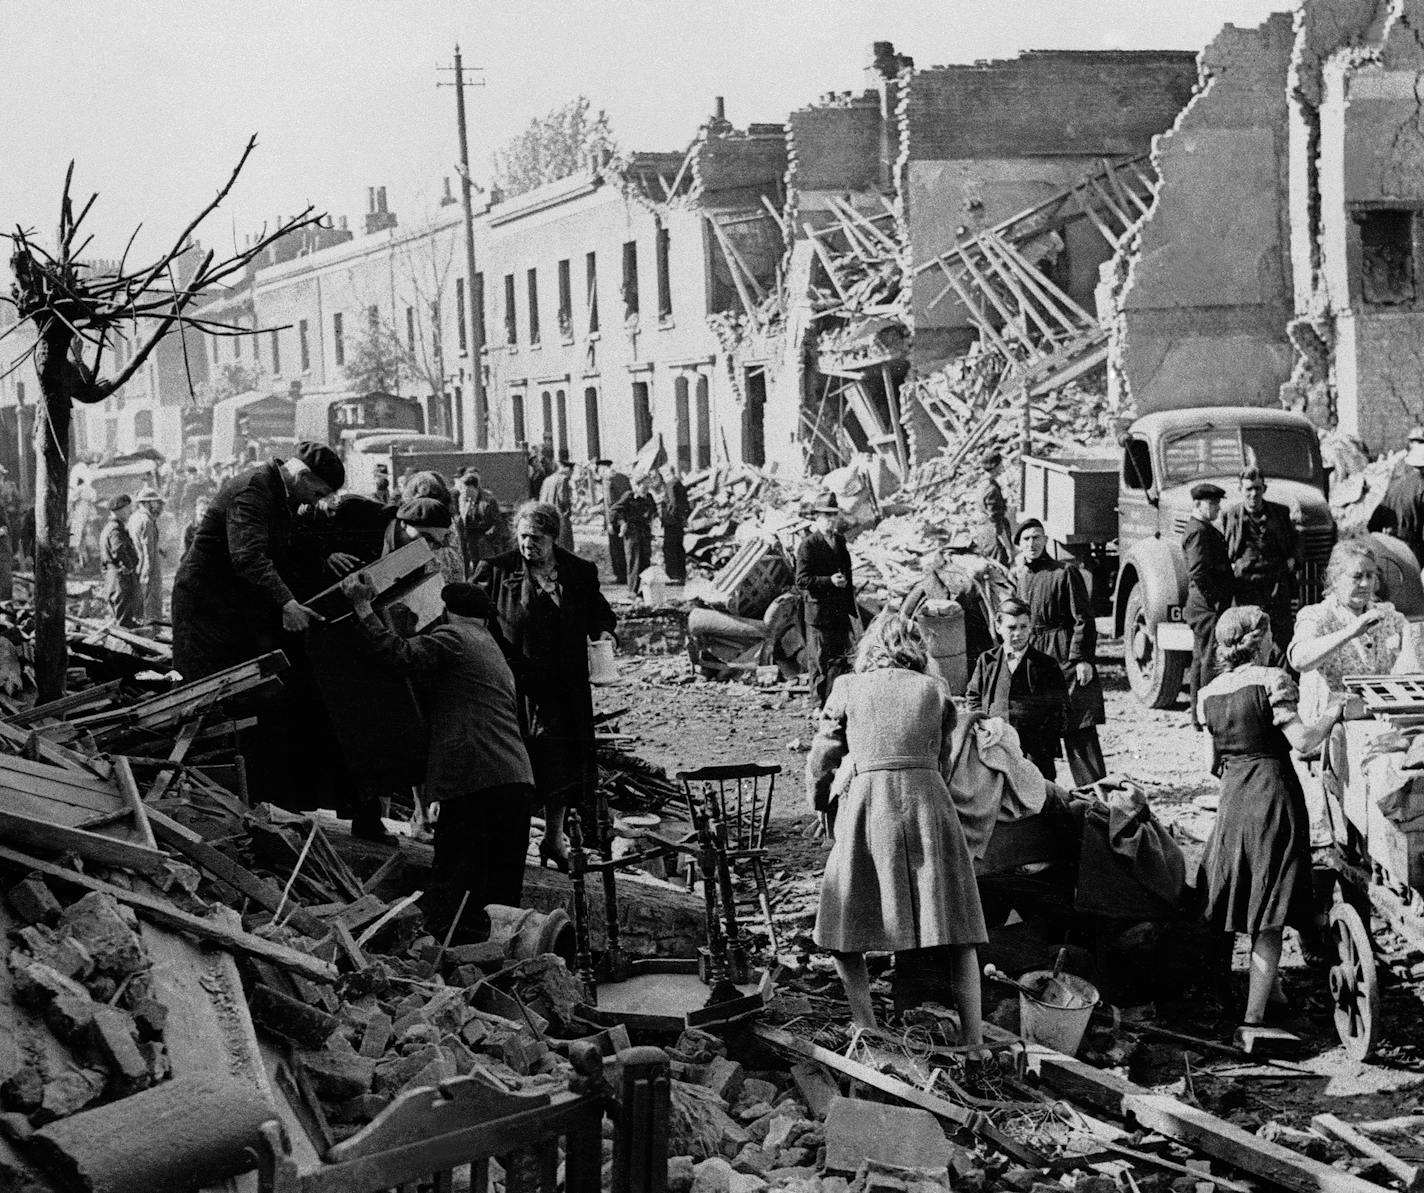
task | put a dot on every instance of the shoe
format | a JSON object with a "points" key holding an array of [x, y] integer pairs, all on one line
{"points": [[549, 856]]}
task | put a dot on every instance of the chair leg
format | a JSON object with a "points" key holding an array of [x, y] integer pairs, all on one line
{"points": [[764, 898]]}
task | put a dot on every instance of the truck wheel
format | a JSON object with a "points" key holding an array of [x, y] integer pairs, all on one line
{"points": [[1155, 676]]}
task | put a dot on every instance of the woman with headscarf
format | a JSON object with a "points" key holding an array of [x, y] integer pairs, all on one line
{"points": [[899, 877], [1255, 871], [550, 608]]}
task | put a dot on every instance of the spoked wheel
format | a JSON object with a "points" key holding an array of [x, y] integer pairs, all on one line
{"points": [[1354, 983]]}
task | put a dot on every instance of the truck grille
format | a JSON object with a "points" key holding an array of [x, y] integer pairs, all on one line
{"points": [[1316, 542]]}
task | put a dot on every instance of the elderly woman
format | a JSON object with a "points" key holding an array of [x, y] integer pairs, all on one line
{"points": [[1255, 871], [899, 877], [1349, 632], [550, 608]]}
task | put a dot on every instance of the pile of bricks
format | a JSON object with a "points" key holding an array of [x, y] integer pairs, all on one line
{"points": [[83, 972]]}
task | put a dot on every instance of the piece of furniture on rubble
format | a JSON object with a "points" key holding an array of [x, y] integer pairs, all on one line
{"points": [[427, 1135]]}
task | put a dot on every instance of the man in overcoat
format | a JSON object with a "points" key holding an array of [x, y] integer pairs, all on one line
{"points": [[144, 528], [1211, 584], [1264, 549], [823, 574], [1064, 629], [119, 559]]}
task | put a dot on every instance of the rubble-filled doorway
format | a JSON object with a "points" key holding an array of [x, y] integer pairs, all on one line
{"points": [[516, 415], [682, 418], [590, 418], [561, 417], [642, 413], [704, 424]]}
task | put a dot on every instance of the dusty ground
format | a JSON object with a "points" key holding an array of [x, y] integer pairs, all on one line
{"points": [[679, 721]]}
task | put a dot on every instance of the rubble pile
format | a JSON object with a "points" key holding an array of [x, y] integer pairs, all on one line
{"points": [[728, 497]]}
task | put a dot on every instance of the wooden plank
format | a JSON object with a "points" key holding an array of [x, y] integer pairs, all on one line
{"points": [[50, 837], [67, 706], [169, 916], [1167, 1116], [129, 790], [57, 783], [961, 1116], [263, 892]]}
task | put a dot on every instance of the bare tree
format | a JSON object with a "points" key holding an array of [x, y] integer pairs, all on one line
{"points": [[428, 270], [377, 361], [76, 310]]}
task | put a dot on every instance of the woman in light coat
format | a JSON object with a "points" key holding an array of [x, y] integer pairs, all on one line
{"points": [[899, 877]]}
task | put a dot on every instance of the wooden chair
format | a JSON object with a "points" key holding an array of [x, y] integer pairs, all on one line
{"points": [[427, 1135], [738, 798]]}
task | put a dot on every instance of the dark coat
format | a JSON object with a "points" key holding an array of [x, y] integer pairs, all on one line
{"points": [[1405, 497], [615, 486], [229, 592], [1034, 698], [676, 506], [1211, 582], [1064, 629], [478, 526], [548, 645], [816, 562], [1264, 561]]}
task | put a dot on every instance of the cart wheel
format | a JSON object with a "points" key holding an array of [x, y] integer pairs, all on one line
{"points": [[1354, 984]]}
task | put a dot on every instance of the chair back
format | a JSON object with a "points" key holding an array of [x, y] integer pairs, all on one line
{"points": [[738, 796]]}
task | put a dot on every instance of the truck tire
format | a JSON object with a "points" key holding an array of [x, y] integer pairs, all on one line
{"points": [[1155, 676]]}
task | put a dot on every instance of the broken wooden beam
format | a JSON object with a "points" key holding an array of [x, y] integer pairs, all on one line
{"points": [[1168, 1116], [169, 916]]}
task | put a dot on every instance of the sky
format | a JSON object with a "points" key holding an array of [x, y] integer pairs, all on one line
{"points": [[155, 99]]}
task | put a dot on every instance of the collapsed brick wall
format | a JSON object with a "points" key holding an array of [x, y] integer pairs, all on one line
{"points": [[735, 169], [1203, 289]]}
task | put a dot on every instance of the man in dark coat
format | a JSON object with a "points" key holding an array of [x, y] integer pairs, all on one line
{"points": [[1405, 495], [231, 601], [1211, 584], [1064, 629], [479, 522], [558, 491], [823, 574], [994, 536], [119, 558], [635, 510], [477, 768], [674, 511], [1264, 549], [615, 485], [1022, 685], [550, 607]]}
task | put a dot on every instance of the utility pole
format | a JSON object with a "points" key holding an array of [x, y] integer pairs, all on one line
{"points": [[474, 299]]}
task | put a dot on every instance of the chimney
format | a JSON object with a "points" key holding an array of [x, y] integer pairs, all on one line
{"points": [[341, 223], [370, 199], [719, 109], [378, 218]]}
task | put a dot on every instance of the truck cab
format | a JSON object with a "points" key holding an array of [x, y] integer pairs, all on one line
{"points": [[1163, 456]]}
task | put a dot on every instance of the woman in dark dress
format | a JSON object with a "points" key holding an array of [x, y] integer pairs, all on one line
{"points": [[1256, 867], [550, 608]]}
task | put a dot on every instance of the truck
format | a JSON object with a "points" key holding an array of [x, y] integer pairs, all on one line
{"points": [[503, 473], [1121, 516]]}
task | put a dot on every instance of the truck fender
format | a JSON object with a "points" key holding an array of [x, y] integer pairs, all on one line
{"points": [[1159, 569]]}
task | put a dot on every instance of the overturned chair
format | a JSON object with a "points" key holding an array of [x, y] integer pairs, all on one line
{"points": [[430, 1136]]}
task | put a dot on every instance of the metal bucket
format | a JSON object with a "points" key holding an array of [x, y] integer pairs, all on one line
{"points": [[1059, 1022], [601, 667]]}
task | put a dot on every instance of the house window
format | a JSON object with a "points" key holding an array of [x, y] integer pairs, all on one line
{"points": [[462, 333], [642, 413], [304, 344], [630, 277], [511, 323], [478, 299], [338, 340], [566, 301], [704, 425], [682, 422], [754, 418], [546, 405], [590, 266], [143, 426], [1386, 256], [410, 328], [516, 415], [590, 422], [664, 275], [533, 306], [276, 351]]}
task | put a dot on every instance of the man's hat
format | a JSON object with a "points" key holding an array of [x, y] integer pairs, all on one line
{"points": [[382, 470], [1206, 491], [603, 463], [428, 513], [149, 493], [122, 501], [1027, 524], [826, 504], [323, 462], [466, 600]]}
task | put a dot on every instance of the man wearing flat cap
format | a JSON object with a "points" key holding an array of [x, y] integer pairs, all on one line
{"points": [[119, 558], [230, 600], [823, 574], [477, 768], [1211, 584], [1404, 497], [1064, 630], [143, 526], [615, 486]]}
